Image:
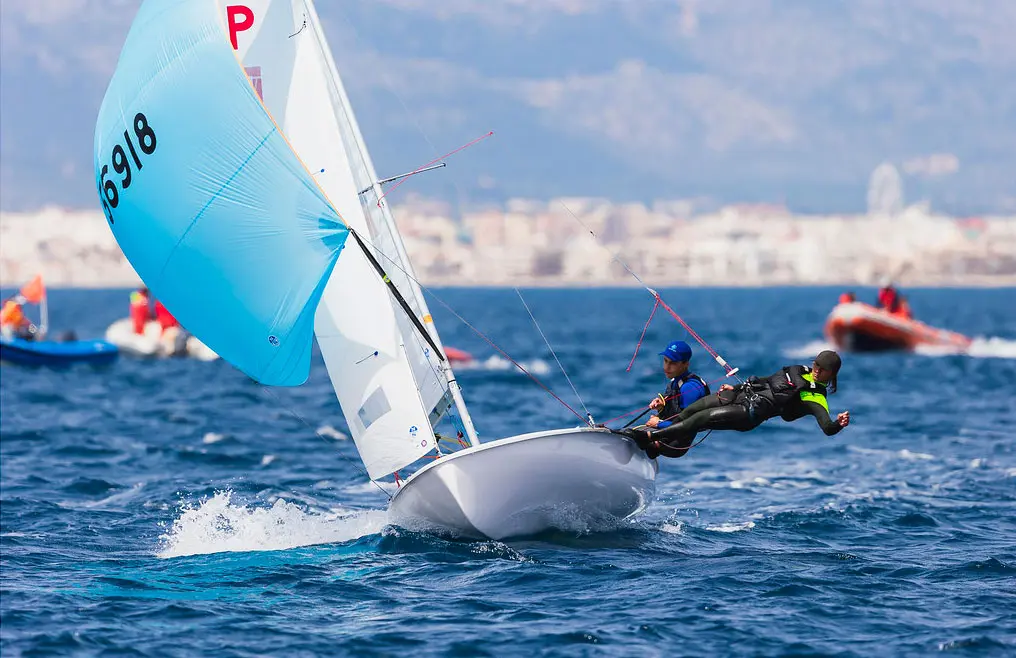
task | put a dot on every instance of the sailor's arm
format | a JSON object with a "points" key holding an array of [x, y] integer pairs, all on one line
{"points": [[828, 425], [657, 405]]}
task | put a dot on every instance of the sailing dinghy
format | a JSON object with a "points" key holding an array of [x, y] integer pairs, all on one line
{"points": [[235, 179]]}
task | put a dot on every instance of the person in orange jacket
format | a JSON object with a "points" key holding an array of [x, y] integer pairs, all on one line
{"points": [[14, 322], [903, 309], [847, 297]]}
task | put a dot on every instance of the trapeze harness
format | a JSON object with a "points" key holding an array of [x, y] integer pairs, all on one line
{"points": [[672, 397]]}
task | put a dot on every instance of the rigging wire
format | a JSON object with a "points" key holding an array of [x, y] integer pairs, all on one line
{"points": [[479, 333], [427, 165], [613, 255], [643, 410], [413, 118], [643, 336], [506, 355], [554, 354], [731, 371]]}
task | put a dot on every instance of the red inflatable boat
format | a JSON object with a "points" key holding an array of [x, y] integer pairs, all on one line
{"points": [[859, 327], [457, 356]]}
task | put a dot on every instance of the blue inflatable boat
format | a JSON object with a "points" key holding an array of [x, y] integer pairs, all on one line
{"points": [[56, 354]]}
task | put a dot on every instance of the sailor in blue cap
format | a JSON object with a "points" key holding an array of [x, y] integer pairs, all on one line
{"points": [[684, 388]]}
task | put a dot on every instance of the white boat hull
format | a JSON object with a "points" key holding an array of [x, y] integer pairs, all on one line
{"points": [[574, 479], [153, 343]]}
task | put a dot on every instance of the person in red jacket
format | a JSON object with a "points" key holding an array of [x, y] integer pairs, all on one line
{"points": [[172, 332], [888, 297], [164, 317], [141, 310], [903, 309]]}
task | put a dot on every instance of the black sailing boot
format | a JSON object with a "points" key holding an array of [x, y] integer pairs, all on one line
{"points": [[641, 436]]}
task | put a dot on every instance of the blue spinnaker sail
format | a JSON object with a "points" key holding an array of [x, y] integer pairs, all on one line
{"points": [[208, 201]]}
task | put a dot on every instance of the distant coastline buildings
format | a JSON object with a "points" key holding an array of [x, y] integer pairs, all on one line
{"points": [[540, 243]]}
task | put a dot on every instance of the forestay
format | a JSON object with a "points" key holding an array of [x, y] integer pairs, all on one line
{"points": [[207, 199]]}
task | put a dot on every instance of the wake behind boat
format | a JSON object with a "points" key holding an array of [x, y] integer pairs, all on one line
{"points": [[240, 189], [859, 327]]}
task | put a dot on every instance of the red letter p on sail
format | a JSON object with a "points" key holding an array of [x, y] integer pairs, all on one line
{"points": [[240, 19]]}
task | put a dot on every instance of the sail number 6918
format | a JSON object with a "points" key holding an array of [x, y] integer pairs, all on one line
{"points": [[146, 142]]}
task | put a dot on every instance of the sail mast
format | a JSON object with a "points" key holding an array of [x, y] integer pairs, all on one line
{"points": [[432, 336], [446, 369]]}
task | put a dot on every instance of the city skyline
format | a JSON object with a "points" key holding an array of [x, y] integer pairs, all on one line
{"points": [[532, 242]]}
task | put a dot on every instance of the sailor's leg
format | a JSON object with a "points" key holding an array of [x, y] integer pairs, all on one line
{"points": [[713, 416], [708, 402], [675, 440], [644, 436]]}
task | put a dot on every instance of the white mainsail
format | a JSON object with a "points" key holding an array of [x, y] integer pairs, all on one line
{"points": [[384, 234], [386, 379]]}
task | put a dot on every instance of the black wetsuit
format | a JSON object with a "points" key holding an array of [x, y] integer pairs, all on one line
{"points": [[745, 408]]}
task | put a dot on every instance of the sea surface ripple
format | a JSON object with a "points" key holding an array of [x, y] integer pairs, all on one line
{"points": [[176, 508]]}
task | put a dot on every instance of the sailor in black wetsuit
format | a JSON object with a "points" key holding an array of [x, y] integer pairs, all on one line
{"points": [[792, 393]]}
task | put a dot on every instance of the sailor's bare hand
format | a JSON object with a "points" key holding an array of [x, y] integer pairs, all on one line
{"points": [[726, 387], [843, 419], [653, 422], [656, 403]]}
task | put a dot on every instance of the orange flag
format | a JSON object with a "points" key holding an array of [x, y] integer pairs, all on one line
{"points": [[34, 291]]}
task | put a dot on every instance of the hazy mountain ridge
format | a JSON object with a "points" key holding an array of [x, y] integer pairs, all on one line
{"points": [[788, 101]]}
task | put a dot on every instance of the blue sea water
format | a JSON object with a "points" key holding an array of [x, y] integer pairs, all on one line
{"points": [[176, 508]]}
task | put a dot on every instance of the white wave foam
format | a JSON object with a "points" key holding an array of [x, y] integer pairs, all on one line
{"points": [[331, 433], [672, 528], [744, 484], [119, 497], [499, 364], [731, 527], [212, 437], [218, 525], [906, 454], [914, 456], [992, 348], [980, 348]]}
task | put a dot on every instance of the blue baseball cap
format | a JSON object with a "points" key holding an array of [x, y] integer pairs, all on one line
{"points": [[677, 351]]}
